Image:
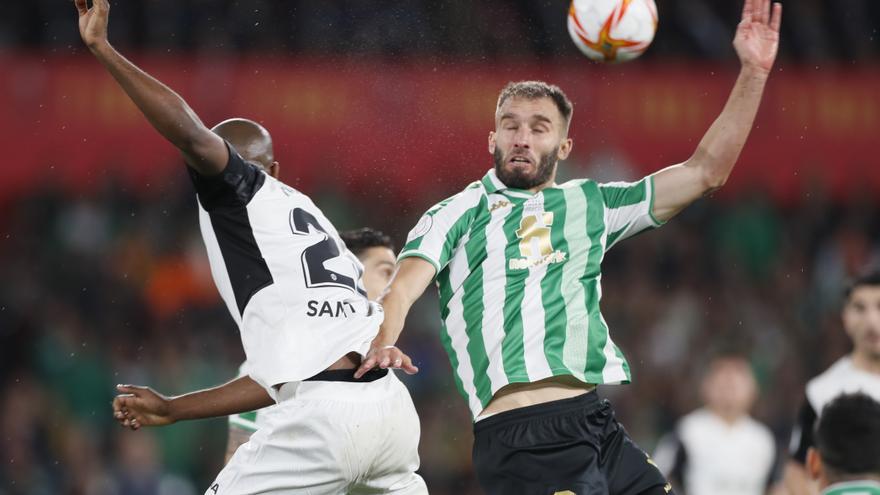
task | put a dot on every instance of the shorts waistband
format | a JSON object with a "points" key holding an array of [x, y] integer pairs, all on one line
{"points": [[347, 376], [341, 390], [587, 403]]}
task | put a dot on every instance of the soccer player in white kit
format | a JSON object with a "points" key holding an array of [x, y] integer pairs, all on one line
{"points": [[295, 292], [719, 449]]}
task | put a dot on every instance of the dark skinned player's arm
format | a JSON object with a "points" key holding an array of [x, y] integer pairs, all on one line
{"points": [[138, 406], [168, 113]]}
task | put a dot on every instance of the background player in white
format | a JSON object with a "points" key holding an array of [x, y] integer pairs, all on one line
{"points": [[517, 261], [858, 371], [296, 294], [719, 449], [846, 457]]}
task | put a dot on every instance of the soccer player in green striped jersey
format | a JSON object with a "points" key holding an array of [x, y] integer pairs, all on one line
{"points": [[516, 259]]}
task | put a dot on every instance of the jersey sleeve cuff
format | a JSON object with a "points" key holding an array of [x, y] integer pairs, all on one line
{"points": [[419, 254], [657, 222]]}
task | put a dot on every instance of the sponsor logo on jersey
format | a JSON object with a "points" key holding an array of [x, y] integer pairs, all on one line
{"points": [[535, 245], [499, 204]]}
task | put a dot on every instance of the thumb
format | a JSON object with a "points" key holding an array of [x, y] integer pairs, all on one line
{"points": [[132, 390]]}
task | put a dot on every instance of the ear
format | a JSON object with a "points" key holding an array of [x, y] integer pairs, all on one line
{"points": [[814, 464], [275, 170], [492, 142], [565, 149]]}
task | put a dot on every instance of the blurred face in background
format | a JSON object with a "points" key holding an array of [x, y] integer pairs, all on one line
{"points": [[379, 265], [729, 388], [861, 320], [530, 137]]}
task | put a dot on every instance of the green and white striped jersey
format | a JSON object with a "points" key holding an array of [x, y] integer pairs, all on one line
{"points": [[866, 487], [519, 279]]}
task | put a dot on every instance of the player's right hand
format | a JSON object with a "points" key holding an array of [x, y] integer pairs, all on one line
{"points": [[138, 406], [386, 356], [93, 21]]}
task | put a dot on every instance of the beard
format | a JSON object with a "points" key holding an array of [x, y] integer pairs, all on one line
{"points": [[517, 179]]}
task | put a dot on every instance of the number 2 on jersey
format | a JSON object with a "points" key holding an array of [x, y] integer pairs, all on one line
{"points": [[313, 257]]}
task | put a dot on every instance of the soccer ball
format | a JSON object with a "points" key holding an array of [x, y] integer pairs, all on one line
{"points": [[612, 30]]}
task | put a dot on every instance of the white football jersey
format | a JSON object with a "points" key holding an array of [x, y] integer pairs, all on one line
{"points": [[711, 457], [288, 280]]}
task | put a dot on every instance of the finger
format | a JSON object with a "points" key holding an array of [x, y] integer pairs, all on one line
{"points": [[408, 367], [366, 366], [102, 6], [81, 6], [765, 11], [776, 18], [747, 10], [385, 362], [131, 390]]}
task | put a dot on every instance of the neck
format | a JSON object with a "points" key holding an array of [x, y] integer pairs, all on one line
{"points": [[866, 362]]}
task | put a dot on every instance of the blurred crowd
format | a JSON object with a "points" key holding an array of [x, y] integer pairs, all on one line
{"points": [[814, 30], [112, 286]]}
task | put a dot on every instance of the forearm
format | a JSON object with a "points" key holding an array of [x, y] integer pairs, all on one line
{"points": [[238, 396], [396, 304], [720, 147]]}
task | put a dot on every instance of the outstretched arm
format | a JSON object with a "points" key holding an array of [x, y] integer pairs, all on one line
{"points": [[203, 150], [138, 406], [412, 278], [756, 44]]}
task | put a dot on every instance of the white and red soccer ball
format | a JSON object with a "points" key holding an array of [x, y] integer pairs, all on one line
{"points": [[612, 30]]}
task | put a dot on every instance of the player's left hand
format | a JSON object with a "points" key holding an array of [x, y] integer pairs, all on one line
{"points": [[138, 406], [757, 36], [386, 356]]}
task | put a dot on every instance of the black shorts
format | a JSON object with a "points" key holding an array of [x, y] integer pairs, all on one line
{"points": [[573, 447]]}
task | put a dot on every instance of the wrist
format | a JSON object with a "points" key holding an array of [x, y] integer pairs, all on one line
{"points": [[99, 47], [755, 72], [172, 409]]}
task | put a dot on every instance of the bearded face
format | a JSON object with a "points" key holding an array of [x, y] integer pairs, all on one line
{"points": [[520, 169]]}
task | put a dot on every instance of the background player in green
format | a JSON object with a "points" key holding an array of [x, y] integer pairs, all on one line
{"points": [[517, 257], [846, 458]]}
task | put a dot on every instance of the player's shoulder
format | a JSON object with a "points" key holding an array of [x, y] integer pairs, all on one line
{"points": [[468, 197], [822, 388]]}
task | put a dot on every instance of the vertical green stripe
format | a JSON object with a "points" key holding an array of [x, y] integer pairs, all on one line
{"points": [[445, 289], [458, 229], [618, 196], [513, 345], [598, 336], [555, 314], [472, 304]]}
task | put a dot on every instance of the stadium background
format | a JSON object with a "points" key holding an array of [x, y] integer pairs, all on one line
{"points": [[379, 109]]}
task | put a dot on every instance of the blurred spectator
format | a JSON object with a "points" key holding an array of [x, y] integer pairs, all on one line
{"points": [[719, 449]]}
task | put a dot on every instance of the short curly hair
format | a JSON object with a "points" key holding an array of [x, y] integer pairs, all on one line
{"points": [[359, 240], [533, 90]]}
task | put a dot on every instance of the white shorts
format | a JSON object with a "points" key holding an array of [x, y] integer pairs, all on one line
{"points": [[330, 438]]}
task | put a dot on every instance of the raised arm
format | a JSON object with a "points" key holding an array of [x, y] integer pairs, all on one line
{"points": [[412, 278], [756, 44], [138, 406], [203, 150]]}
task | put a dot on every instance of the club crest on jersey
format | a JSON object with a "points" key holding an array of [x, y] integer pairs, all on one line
{"points": [[535, 245], [421, 228]]}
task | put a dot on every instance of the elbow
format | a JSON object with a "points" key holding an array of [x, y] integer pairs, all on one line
{"points": [[714, 170]]}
